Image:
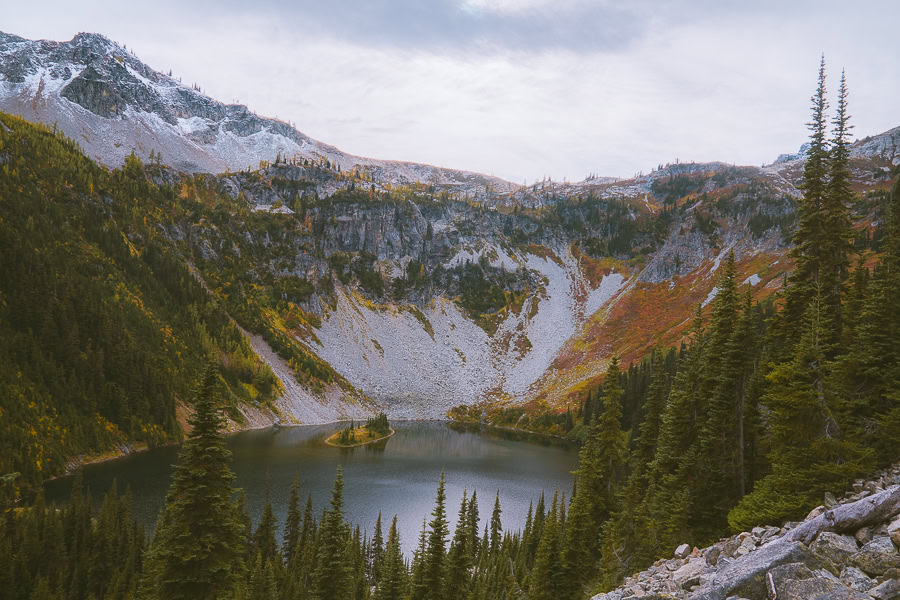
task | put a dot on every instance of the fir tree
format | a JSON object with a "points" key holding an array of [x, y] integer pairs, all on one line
{"points": [[393, 582], [459, 559], [198, 551], [332, 577], [496, 525], [809, 234], [435, 551], [293, 521]]}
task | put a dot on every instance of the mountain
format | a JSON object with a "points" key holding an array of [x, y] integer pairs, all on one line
{"points": [[100, 94], [364, 284]]}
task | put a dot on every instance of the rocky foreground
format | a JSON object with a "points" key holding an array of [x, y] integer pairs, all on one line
{"points": [[845, 549]]}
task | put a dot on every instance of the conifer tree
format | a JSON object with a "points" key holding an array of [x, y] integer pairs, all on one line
{"points": [[545, 582], [393, 582], [435, 551], [459, 559], [496, 525], [377, 548], [809, 234], [264, 544], [197, 553], [293, 521], [808, 453], [332, 577], [837, 234]]}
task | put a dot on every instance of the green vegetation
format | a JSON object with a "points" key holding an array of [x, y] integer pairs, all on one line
{"points": [[102, 325], [376, 428]]}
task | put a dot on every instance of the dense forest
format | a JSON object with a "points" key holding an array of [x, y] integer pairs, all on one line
{"points": [[758, 413], [103, 328]]}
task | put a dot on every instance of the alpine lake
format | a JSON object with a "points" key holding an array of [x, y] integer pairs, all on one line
{"points": [[396, 476]]}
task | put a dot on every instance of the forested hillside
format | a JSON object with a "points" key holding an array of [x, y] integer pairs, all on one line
{"points": [[103, 326]]}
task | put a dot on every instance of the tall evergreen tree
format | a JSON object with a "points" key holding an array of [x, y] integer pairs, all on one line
{"points": [[392, 584], [197, 553], [459, 559], [809, 234], [332, 576], [293, 521], [808, 453], [496, 525], [436, 549]]}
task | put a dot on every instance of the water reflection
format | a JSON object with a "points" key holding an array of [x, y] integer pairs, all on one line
{"points": [[396, 476]]}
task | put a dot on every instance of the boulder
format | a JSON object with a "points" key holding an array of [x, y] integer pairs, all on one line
{"points": [[859, 581], [682, 551], [689, 574], [893, 530], [864, 535], [747, 575], [712, 555], [889, 590], [796, 581], [834, 550], [877, 557]]}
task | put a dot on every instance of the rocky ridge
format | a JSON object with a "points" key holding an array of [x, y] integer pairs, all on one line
{"points": [[848, 548]]}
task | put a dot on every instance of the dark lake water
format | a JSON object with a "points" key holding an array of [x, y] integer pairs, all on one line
{"points": [[398, 476]]}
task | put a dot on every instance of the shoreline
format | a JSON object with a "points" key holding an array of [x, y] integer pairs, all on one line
{"points": [[128, 448], [393, 431]]}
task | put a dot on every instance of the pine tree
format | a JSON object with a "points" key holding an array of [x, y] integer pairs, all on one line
{"points": [[264, 544], [293, 522], [198, 551], [393, 582], [674, 469], [435, 551], [459, 559], [496, 525], [545, 582], [809, 234], [808, 453], [332, 577], [837, 233], [377, 549]]}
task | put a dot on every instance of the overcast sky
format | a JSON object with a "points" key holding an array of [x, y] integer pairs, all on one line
{"points": [[520, 89]]}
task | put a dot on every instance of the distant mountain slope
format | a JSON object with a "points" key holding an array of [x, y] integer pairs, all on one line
{"points": [[100, 94]]}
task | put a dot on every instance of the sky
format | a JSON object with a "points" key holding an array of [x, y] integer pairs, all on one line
{"points": [[520, 89]]}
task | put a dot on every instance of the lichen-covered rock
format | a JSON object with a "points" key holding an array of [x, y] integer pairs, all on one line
{"points": [[893, 531], [889, 590], [859, 581], [747, 575], [689, 574], [877, 557], [796, 581], [834, 550]]}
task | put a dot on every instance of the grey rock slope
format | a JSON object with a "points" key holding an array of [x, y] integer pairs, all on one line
{"points": [[845, 549]]}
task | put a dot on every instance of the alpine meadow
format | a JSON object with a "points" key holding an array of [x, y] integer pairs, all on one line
{"points": [[238, 363]]}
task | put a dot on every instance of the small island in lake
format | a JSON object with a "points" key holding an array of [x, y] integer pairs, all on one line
{"points": [[375, 430]]}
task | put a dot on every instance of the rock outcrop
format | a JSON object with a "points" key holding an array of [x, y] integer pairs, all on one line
{"points": [[848, 550]]}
